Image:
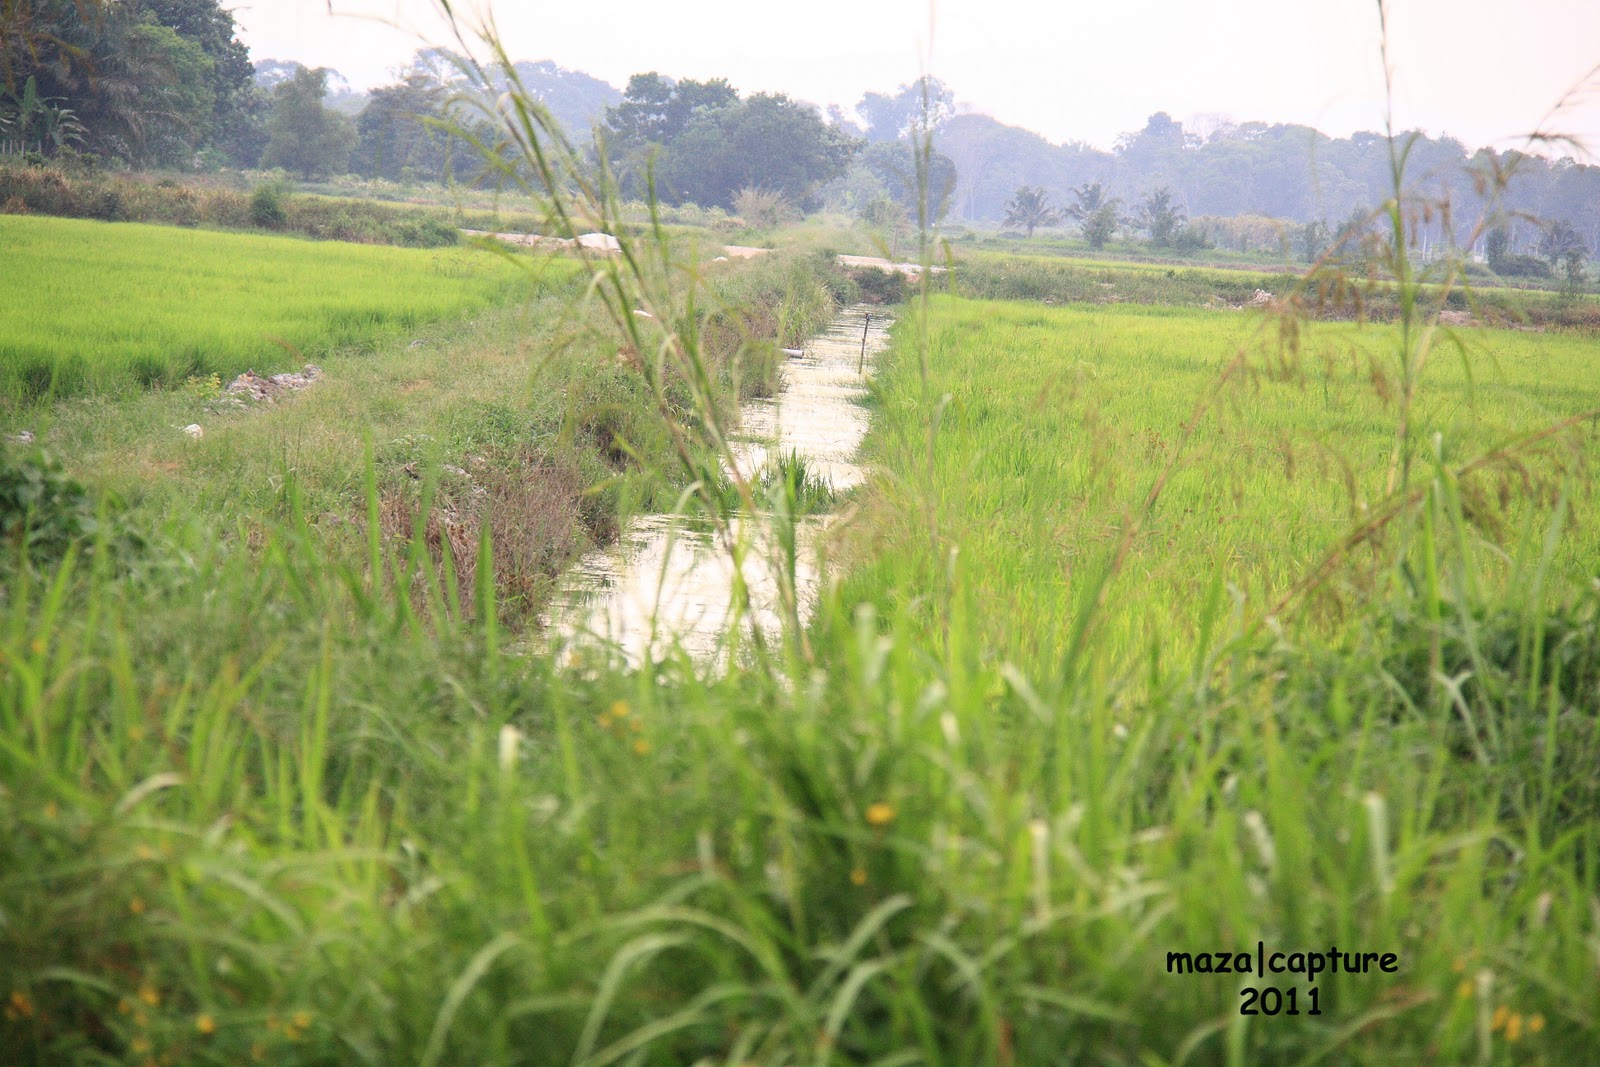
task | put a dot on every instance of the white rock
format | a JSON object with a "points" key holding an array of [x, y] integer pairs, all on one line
{"points": [[600, 242], [194, 430], [25, 437]]}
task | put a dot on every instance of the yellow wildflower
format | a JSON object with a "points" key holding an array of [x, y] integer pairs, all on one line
{"points": [[858, 877], [21, 1006], [880, 814], [139, 1046], [148, 994], [302, 1020], [1513, 1027], [641, 746], [1464, 990], [1535, 1023], [1499, 1019], [205, 1024], [620, 710], [136, 905]]}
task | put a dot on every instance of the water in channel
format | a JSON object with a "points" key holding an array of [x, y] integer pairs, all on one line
{"points": [[667, 583]]}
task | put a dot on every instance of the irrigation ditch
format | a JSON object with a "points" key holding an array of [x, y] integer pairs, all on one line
{"points": [[670, 582]]}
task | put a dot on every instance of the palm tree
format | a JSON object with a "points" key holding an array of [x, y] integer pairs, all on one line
{"points": [[1096, 213], [1564, 248], [1090, 197], [1160, 216], [1030, 208]]}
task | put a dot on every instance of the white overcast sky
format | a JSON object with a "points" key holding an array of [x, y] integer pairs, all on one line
{"points": [[1485, 71]]}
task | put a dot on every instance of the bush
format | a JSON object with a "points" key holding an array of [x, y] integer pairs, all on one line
{"points": [[880, 286], [429, 232], [763, 209], [42, 511], [1192, 238], [1517, 266], [266, 207]]}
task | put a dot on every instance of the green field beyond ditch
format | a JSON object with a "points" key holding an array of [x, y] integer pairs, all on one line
{"points": [[100, 307], [1059, 420]]}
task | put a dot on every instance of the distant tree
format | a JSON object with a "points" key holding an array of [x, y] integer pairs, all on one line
{"points": [[1560, 241], [1564, 248], [919, 107], [1160, 217], [1087, 199], [577, 100], [1313, 240], [404, 130], [894, 164], [210, 26], [1496, 246], [304, 136], [244, 138], [1100, 225], [767, 141], [655, 109], [655, 112], [149, 99], [1096, 213], [1350, 238], [1030, 208]]}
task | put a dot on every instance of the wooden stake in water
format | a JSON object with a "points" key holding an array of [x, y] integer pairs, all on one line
{"points": [[865, 326]]}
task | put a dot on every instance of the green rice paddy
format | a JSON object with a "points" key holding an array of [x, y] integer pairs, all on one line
{"points": [[1057, 421], [98, 307]]}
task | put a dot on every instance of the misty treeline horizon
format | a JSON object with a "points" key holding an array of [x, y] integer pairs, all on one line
{"points": [[166, 84]]}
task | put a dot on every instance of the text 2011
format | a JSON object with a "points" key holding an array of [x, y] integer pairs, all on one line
{"points": [[1270, 1000]]}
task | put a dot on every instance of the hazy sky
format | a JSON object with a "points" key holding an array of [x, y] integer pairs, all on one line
{"points": [[1485, 71]]}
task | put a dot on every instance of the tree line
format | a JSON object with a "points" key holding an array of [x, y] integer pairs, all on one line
{"points": [[1278, 174], [167, 83]]}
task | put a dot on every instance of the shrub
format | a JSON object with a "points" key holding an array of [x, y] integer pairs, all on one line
{"points": [[763, 209], [266, 207], [42, 511], [428, 232], [1516, 266], [881, 286]]}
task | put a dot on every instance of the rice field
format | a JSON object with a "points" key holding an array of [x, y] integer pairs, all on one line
{"points": [[1056, 422], [101, 307], [287, 799]]}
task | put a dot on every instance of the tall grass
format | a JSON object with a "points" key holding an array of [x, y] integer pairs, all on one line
{"points": [[283, 803]]}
